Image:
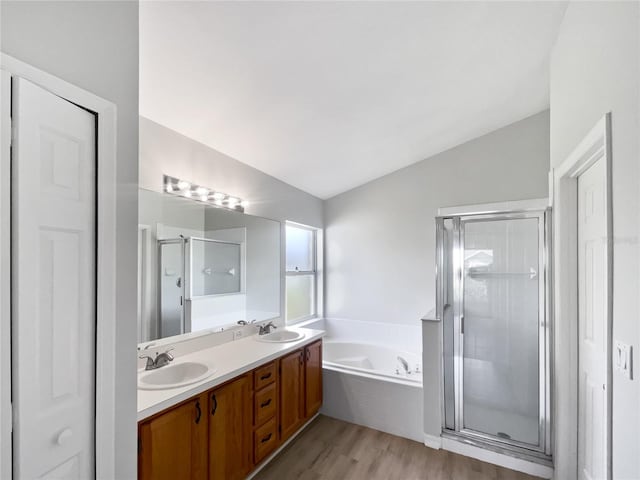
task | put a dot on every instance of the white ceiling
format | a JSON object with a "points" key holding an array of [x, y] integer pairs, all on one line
{"points": [[329, 95]]}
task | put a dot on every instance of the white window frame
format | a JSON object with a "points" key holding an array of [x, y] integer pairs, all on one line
{"points": [[315, 272]]}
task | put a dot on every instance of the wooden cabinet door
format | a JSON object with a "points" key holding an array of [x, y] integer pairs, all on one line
{"points": [[313, 378], [291, 393], [173, 445], [230, 430]]}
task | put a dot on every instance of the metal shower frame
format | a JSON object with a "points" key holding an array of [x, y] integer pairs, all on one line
{"points": [[540, 453]]}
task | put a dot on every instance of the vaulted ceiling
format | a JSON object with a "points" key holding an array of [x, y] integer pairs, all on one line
{"points": [[327, 96]]}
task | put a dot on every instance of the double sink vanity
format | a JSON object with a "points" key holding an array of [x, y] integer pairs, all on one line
{"points": [[255, 395], [232, 391]]}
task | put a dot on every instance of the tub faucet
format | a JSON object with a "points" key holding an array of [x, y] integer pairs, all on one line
{"points": [[266, 328], [404, 363]]}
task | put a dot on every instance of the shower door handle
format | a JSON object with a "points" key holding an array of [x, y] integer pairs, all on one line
{"points": [[462, 324]]}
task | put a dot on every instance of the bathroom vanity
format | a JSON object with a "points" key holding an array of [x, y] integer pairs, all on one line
{"points": [[226, 426], [210, 290]]}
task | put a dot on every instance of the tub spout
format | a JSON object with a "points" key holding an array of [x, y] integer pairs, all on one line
{"points": [[404, 363]]}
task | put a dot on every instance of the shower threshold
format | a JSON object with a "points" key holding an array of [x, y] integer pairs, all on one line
{"points": [[499, 447]]}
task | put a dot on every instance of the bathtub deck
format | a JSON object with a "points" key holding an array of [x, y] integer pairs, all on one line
{"points": [[331, 449]]}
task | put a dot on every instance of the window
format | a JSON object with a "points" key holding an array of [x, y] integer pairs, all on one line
{"points": [[302, 279]]}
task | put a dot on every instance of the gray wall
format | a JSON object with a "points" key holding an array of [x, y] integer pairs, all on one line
{"points": [[594, 69], [95, 45], [380, 237], [165, 151]]}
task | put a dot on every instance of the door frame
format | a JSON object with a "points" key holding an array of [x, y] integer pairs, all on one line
{"points": [[106, 351], [596, 146]]}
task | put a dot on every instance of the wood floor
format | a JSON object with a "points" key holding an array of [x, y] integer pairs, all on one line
{"points": [[334, 450]]}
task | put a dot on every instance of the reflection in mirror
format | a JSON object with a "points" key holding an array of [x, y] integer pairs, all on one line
{"points": [[203, 268], [217, 266]]}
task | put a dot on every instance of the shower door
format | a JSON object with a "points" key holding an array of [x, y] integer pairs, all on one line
{"points": [[492, 300], [171, 263]]}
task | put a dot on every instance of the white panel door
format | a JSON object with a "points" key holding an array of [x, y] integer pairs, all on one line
{"points": [[592, 323], [53, 285]]}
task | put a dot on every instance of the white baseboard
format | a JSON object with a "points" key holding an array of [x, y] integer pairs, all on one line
{"points": [[432, 441], [507, 461]]}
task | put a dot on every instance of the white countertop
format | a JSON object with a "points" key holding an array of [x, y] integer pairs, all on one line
{"points": [[230, 360]]}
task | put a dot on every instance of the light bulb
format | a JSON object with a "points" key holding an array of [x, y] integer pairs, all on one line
{"points": [[244, 204], [187, 193], [218, 196], [183, 185], [202, 191]]}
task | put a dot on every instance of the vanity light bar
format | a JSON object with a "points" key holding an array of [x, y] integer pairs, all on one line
{"points": [[183, 188]]}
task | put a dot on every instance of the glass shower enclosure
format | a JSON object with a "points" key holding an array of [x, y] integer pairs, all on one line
{"points": [[171, 282], [190, 268], [492, 297]]}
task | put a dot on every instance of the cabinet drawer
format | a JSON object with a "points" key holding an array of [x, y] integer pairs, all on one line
{"points": [[265, 404], [264, 375], [265, 440]]}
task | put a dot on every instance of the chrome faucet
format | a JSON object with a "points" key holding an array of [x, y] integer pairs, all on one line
{"points": [[161, 360], [404, 364], [266, 328]]}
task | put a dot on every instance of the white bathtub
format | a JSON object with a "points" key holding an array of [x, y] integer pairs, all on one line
{"points": [[373, 361], [365, 383]]}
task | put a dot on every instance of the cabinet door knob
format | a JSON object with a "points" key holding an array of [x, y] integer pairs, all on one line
{"points": [[64, 436], [264, 377]]}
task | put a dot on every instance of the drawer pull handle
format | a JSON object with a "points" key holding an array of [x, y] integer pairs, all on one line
{"points": [[265, 404], [264, 377], [266, 439]]}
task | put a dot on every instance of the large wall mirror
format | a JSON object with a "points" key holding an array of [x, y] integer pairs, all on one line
{"points": [[203, 268]]}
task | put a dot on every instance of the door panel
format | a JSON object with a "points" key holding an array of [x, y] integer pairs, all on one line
{"points": [[172, 288], [313, 378], [174, 444], [230, 427], [291, 393], [53, 285], [592, 322], [501, 324]]}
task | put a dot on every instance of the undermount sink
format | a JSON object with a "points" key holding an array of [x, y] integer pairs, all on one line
{"points": [[174, 375], [281, 336]]}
